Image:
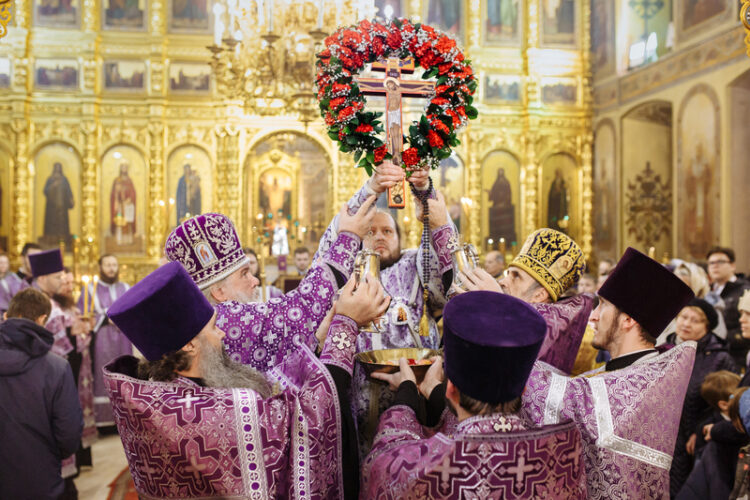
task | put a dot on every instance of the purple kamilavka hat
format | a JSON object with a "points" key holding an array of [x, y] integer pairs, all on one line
{"points": [[47, 262], [491, 343], [646, 291], [162, 312], [208, 247]]}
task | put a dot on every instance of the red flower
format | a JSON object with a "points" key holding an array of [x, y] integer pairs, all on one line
{"points": [[342, 135], [434, 139], [441, 89], [444, 68], [394, 39], [345, 113], [439, 101], [329, 119], [364, 128], [340, 87], [439, 125], [335, 103], [445, 44], [461, 111], [410, 157], [325, 54], [358, 105], [380, 154], [377, 46], [454, 117], [365, 25]]}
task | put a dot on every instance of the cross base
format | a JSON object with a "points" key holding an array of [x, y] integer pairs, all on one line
{"points": [[397, 195]]}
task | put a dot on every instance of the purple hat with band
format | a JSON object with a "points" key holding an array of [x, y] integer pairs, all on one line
{"points": [[646, 291], [47, 262], [162, 312], [208, 247], [491, 343]]}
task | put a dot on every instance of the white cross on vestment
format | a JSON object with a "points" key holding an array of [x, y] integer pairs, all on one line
{"points": [[502, 425], [195, 467], [446, 471], [188, 399], [522, 468]]}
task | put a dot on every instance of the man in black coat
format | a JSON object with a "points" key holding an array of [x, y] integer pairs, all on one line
{"points": [[727, 288], [40, 416]]}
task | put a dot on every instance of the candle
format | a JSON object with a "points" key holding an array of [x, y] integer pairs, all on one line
{"points": [[652, 252], [502, 246], [270, 16], [93, 295], [85, 280]]}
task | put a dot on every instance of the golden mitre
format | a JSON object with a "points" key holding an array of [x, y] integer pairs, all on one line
{"points": [[553, 259]]}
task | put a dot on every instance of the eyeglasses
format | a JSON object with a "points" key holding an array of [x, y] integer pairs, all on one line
{"points": [[717, 262]]}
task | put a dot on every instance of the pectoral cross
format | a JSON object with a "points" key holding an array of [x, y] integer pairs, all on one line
{"points": [[394, 89]]}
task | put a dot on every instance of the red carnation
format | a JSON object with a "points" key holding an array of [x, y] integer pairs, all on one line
{"points": [[439, 125], [364, 128], [380, 154], [394, 40], [345, 113], [445, 44], [335, 103], [434, 139], [342, 135], [441, 89], [454, 117], [325, 54], [461, 111], [439, 101], [329, 119], [410, 157], [444, 68], [365, 24], [340, 87], [377, 46], [358, 105]]}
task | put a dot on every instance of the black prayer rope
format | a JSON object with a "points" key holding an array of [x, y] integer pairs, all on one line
{"points": [[423, 196]]}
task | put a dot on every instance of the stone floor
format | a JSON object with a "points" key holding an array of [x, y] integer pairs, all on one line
{"points": [[109, 460]]}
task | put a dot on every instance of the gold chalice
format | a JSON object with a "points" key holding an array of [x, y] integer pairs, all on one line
{"points": [[386, 360]]}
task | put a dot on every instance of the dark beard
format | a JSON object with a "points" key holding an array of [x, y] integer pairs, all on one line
{"points": [[386, 263], [106, 279], [610, 335], [218, 370], [65, 301]]}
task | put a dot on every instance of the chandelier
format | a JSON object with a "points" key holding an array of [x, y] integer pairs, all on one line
{"points": [[264, 50]]}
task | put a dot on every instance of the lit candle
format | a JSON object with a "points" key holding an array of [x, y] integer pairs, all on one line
{"points": [[502, 246], [85, 279], [93, 295], [270, 16]]}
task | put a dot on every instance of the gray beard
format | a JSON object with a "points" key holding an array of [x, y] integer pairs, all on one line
{"points": [[218, 370]]}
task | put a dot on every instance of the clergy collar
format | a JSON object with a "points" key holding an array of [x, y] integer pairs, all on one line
{"points": [[492, 424], [627, 359]]}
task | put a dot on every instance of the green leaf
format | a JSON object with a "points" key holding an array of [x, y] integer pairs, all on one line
{"points": [[472, 85], [351, 140], [471, 112], [333, 135], [354, 121], [357, 155], [442, 80], [371, 156]]}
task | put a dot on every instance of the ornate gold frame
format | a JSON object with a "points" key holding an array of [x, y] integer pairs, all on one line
{"points": [[156, 122]]}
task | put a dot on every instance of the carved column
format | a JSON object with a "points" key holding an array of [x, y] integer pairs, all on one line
{"points": [[158, 216], [21, 213], [220, 178], [472, 233], [233, 174], [89, 201], [587, 195], [530, 182]]}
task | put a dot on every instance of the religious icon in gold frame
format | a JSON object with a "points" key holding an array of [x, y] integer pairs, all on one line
{"points": [[57, 13], [124, 195]]}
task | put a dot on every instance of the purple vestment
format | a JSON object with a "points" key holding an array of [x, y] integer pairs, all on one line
{"points": [[489, 457], [108, 343], [262, 334], [566, 323], [628, 419], [403, 282], [10, 285], [185, 441]]}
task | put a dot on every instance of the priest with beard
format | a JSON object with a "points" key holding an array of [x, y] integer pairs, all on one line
{"points": [[71, 341], [195, 424], [402, 275], [107, 341]]}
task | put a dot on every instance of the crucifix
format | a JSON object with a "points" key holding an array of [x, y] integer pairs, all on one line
{"points": [[394, 88]]}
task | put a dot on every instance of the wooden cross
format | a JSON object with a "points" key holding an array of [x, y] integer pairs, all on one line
{"points": [[394, 88]]}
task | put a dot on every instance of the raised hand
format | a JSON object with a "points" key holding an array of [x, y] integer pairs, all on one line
{"points": [[420, 178], [438, 211], [396, 379], [386, 175], [360, 222], [365, 304], [479, 279]]}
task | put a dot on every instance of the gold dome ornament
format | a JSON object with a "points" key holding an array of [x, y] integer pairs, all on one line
{"points": [[5, 12]]}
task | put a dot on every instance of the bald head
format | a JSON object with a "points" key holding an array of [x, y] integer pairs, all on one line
{"points": [[494, 263]]}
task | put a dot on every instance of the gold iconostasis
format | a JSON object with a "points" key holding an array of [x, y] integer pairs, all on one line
{"points": [[112, 129]]}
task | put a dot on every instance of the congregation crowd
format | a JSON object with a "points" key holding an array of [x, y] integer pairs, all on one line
{"points": [[549, 377]]}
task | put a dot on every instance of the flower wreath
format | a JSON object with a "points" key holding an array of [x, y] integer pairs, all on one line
{"points": [[342, 105]]}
